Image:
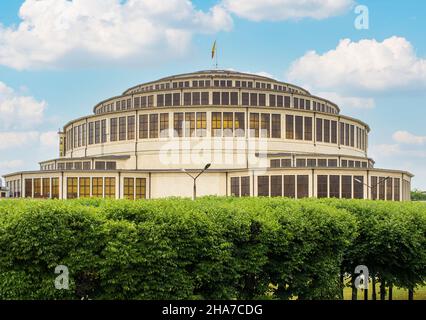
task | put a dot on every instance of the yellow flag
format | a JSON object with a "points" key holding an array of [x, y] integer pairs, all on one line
{"points": [[214, 49]]}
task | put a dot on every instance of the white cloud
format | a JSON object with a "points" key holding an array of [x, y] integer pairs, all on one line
{"points": [[17, 139], [11, 164], [19, 111], [406, 137], [54, 33], [278, 10], [348, 102], [365, 65], [49, 139]]}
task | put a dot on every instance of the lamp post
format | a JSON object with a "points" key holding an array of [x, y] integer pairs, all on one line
{"points": [[194, 193]]}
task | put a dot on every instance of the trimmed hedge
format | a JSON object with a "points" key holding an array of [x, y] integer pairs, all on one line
{"points": [[211, 248]]}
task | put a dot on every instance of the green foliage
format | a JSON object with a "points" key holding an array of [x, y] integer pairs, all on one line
{"points": [[212, 248], [417, 195]]}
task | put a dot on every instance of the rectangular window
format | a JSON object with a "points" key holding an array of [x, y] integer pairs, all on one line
{"points": [[263, 186], [109, 188], [352, 136], [287, 101], [28, 188], [347, 134], [97, 187], [333, 132], [334, 186], [289, 130], [389, 189], [326, 131], [216, 124], [55, 188], [190, 124], [228, 123], [276, 163], [280, 101], [225, 98], [84, 187], [286, 163], [245, 186], [205, 98], [245, 99], [103, 131], [308, 128], [311, 163], [46, 187], [319, 130], [254, 125], [235, 186], [265, 124], [129, 188], [299, 127], [176, 99], [234, 98], [302, 186], [382, 185], [216, 98], [122, 128], [201, 124], [160, 100], [143, 126], [97, 132], [276, 126], [131, 127], [396, 186], [91, 127], [187, 99], [262, 99], [37, 188], [168, 100], [178, 124], [137, 102], [342, 133], [239, 124], [358, 187], [83, 134], [196, 98], [322, 186], [153, 126], [272, 100], [140, 188], [289, 186], [347, 187], [300, 163], [113, 129], [164, 125], [276, 186], [72, 185], [253, 99]]}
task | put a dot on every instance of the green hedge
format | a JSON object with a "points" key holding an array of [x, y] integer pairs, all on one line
{"points": [[213, 248]]}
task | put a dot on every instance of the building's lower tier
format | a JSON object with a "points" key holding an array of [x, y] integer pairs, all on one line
{"points": [[294, 183]]}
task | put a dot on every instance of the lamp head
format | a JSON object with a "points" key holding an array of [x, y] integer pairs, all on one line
{"points": [[207, 166]]}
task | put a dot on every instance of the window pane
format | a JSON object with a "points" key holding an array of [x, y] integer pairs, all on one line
{"points": [[235, 186], [289, 127], [276, 186], [358, 187], [239, 124], [347, 187], [334, 186], [265, 125], [164, 125], [299, 127], [308, 128], [276, 126], [319, 130], [201, 124], [178, 124], [322, 186], [289, 186], [122, 128], [254, 125], [228, 122], [216, 124], [143, 126], [190, 124], [263, 186], [245, 186]]}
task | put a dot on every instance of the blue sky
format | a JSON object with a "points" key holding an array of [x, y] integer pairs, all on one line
{"points": [[55, 63]]}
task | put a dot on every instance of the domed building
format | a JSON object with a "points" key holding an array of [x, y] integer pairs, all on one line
{"points": [[256, 135]]}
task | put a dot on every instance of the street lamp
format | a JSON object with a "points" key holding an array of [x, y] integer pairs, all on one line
{"points": [[194, 193]]}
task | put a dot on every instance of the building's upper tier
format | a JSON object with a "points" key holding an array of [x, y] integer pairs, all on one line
{"points": [[187, 89]]}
